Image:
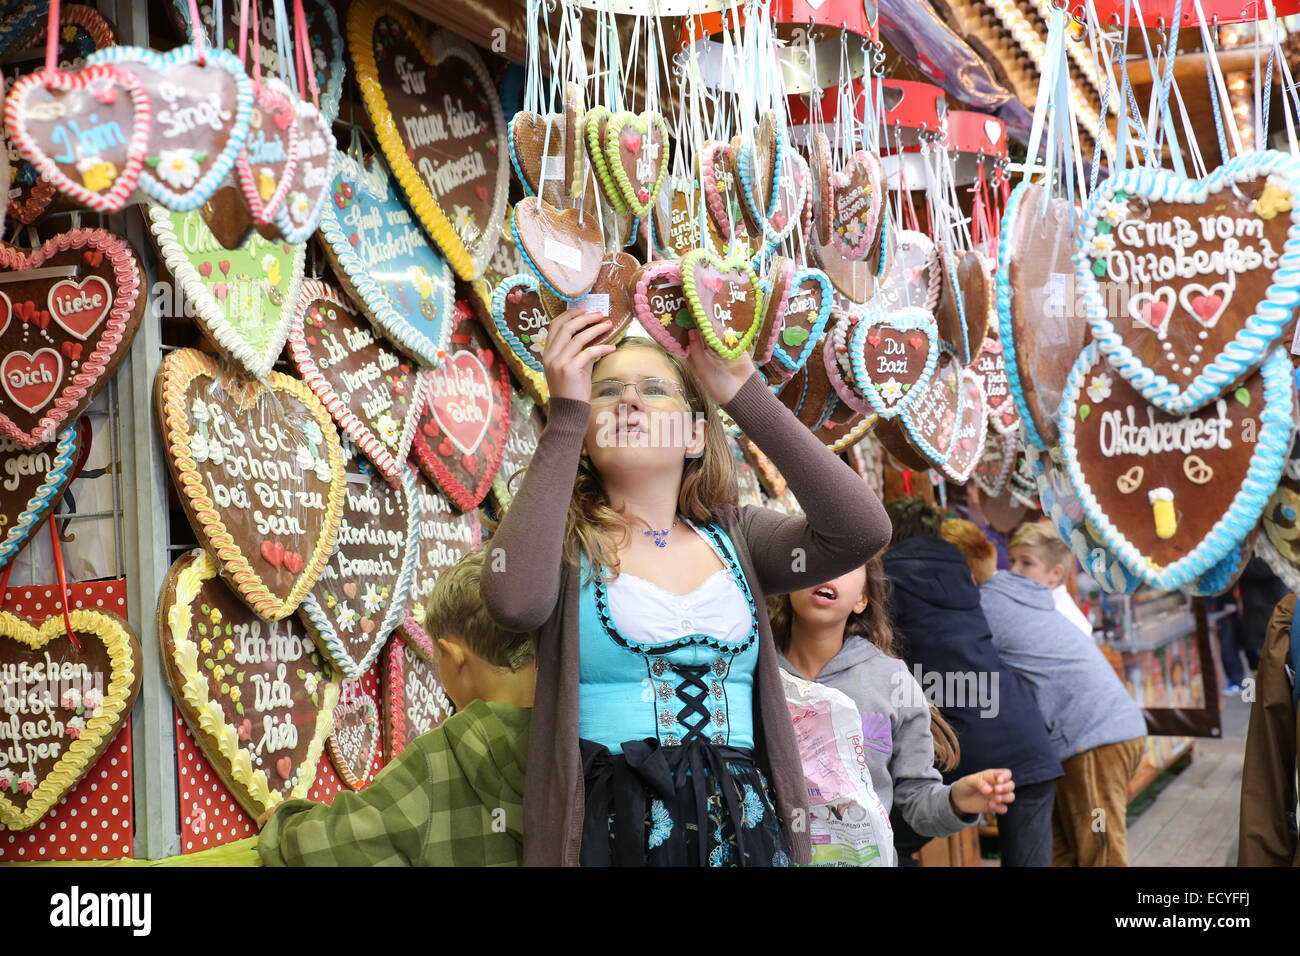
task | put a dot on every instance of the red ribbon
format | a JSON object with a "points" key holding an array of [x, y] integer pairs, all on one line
{"points": [[63, 582]]}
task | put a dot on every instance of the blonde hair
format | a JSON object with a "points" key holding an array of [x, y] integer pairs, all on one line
{"points": [[970, 541], [595, 529], [1041, 538], [454, 609]]}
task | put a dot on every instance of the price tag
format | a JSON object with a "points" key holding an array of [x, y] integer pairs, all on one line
{"points": [[561, 253]]}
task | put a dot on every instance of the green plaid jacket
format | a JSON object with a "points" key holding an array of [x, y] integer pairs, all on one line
{"points": [[454, 797]]}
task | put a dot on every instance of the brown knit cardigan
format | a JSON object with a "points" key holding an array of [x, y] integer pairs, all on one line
{"points": [[526, 584]]}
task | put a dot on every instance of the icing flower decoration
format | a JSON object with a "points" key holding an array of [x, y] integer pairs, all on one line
{"points": [[342, 194], [730, 339], [1116, 211], [178, 168], [228, 646], [1273, 200], [1099, 387], [383, 592], [304, 458], [93, 700], [216, 452], [271, 266], [371, 599], [299, 206], [311, 431], [199, 412], [538, 339], [891, 390], [310, 683], [6, 780], [205, 646], [74, 727], [27, 782], [235, 694], [1102, 243], [70, 699], [216, 618], [330, 601], [323, 470], [387, 425], [346, 617], [199, 447]]}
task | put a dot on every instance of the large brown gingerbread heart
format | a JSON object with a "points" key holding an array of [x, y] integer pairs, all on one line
{"points": [[930, 422], [564, 247], [63, 704], [415, 701], [611, 295], [463, 428], [990, 365], [63, 330], [258, 696], [260, 473], [972, 430], [372, 391]]}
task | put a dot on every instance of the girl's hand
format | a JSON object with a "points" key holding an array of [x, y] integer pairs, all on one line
{"points": [[569, 353], [720, 377], [988, 791]]}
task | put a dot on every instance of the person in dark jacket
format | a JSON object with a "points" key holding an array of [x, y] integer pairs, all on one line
{"points": [[947, 643], [1260, 589]]}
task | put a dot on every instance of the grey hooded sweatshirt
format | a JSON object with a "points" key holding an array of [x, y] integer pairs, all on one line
{"points": [[1082, 699], [895, 734]]}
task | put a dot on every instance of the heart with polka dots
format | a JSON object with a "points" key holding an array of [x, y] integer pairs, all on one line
{"points": [[416, 701], [87, 677], [466, 422]]}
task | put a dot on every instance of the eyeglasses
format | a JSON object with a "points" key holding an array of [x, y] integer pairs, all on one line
{"points": [[653, 391]]}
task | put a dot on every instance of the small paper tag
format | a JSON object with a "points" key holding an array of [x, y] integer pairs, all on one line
{"points": [[552, 168], [1058, 289], [561, 253], [593, 302]]}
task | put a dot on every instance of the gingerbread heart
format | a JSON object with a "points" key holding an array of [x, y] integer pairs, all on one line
{"points": [[760, 162], [972, 430], [446, 536], [449, 160], [610, 295], [976, 275], [930, 421], [856, 281], [564, 247], [260, 473], [1226, 248], [86, 132], [803, 322], [519, 321], [246, 303], [722, 195], [463, 429], [595, 126], [776, 295], [63, 332], [1038, 480], [542, 154], [820, 163], [226, 666], [636, 152], [791, 208], [34, 481], [87, 693], [990, 364], [269, 156], [661, 307], [372, 391], [913, 277], [676, 219], [950, 313], [893, 356], [526, 426], [415, 700], [725, 299], [323, 40], [312, 180], [1037, 325], [201, 103], [375, 555], [1171, 495], [385, 262], [844, 427], [856, 202], [355, 736], [835, 354], [995, 464]]}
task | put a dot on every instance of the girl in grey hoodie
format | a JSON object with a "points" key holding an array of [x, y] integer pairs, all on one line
{"points": [[839, 634]]}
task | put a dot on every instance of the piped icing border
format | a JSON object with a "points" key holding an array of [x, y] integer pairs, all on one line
{"points": [[1262, 328], [932, 454], [178, 369], [66, 449], [124, 657], [778, 282], [529, 283], [207, 184], [968, 380], [1262, 476], [213, 725], [739, 264], [390, 463], [269, 96], [365, 702], [283, 219], [323, 625], [126, 297], [653, 324], [212, 311], [362, 16], [356, 274], [819, 326], [639, 123], [1006, 328]]}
